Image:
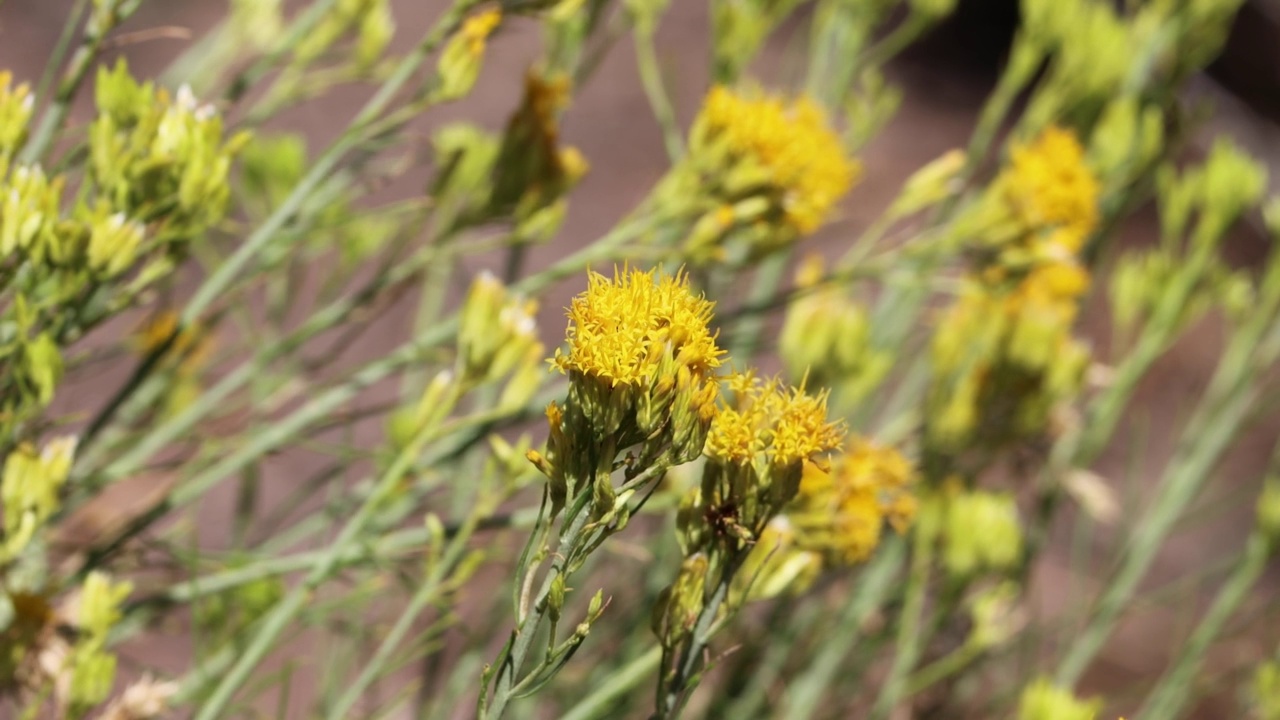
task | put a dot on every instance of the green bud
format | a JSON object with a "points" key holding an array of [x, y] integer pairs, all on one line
{"points": [[42, 366], [260, 22], [373, 34], [676, 611], [15, 114], [93, 667], [1232, 182], [29, 212], [30, 488], [113, 242], [596, 606], [555, 597], [933, 10], [996, 616], [930, 185], [981, 532], [463, 56], [432, 408], [1127, 138]]}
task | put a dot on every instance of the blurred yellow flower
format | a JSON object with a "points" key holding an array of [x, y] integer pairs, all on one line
{"points": [[788, 147], [1050, 186], [477, 28], [841, 512]]}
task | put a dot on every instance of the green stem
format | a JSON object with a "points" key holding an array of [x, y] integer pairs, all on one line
{"points": [[806, 690], [746, 338], [909, 641], [320, 406], [510, 662], [102, 21], [233, 268], [283, 612], [673, 691], [1169, 698], [619, 683], [1218, 419], [655, 91], [427, 592], [60, 50], [943, 668]]}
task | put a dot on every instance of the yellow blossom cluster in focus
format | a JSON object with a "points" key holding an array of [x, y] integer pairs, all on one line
{"points": [[621, 329], [771, 423]]}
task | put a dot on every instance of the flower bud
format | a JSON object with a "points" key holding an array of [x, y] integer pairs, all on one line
{"points": [[463, 56], [113, 242], [677, 608], [15, 113]]}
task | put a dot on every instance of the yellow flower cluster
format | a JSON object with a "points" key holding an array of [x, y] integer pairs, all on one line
{"points": [[784, 150], [756, 448], [770, 425], [841, 512], [1050, 186], [621, 330], [640, 362], [1004, 351]]}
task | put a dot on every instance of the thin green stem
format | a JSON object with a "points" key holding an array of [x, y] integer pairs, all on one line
{"points": [[909, 642], [103, 20], [74, 16], [674, 690], [283, 612], [655, 91], [807, 688], [426, 593], [1217, 420], [619, 683], [511, 661], [1168, 700], [233, 268]]}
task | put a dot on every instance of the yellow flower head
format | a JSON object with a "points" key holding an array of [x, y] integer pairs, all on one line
{"points": [[771, 422], [842, 512], [789, 144], [1050, 185], [623, 328]]}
